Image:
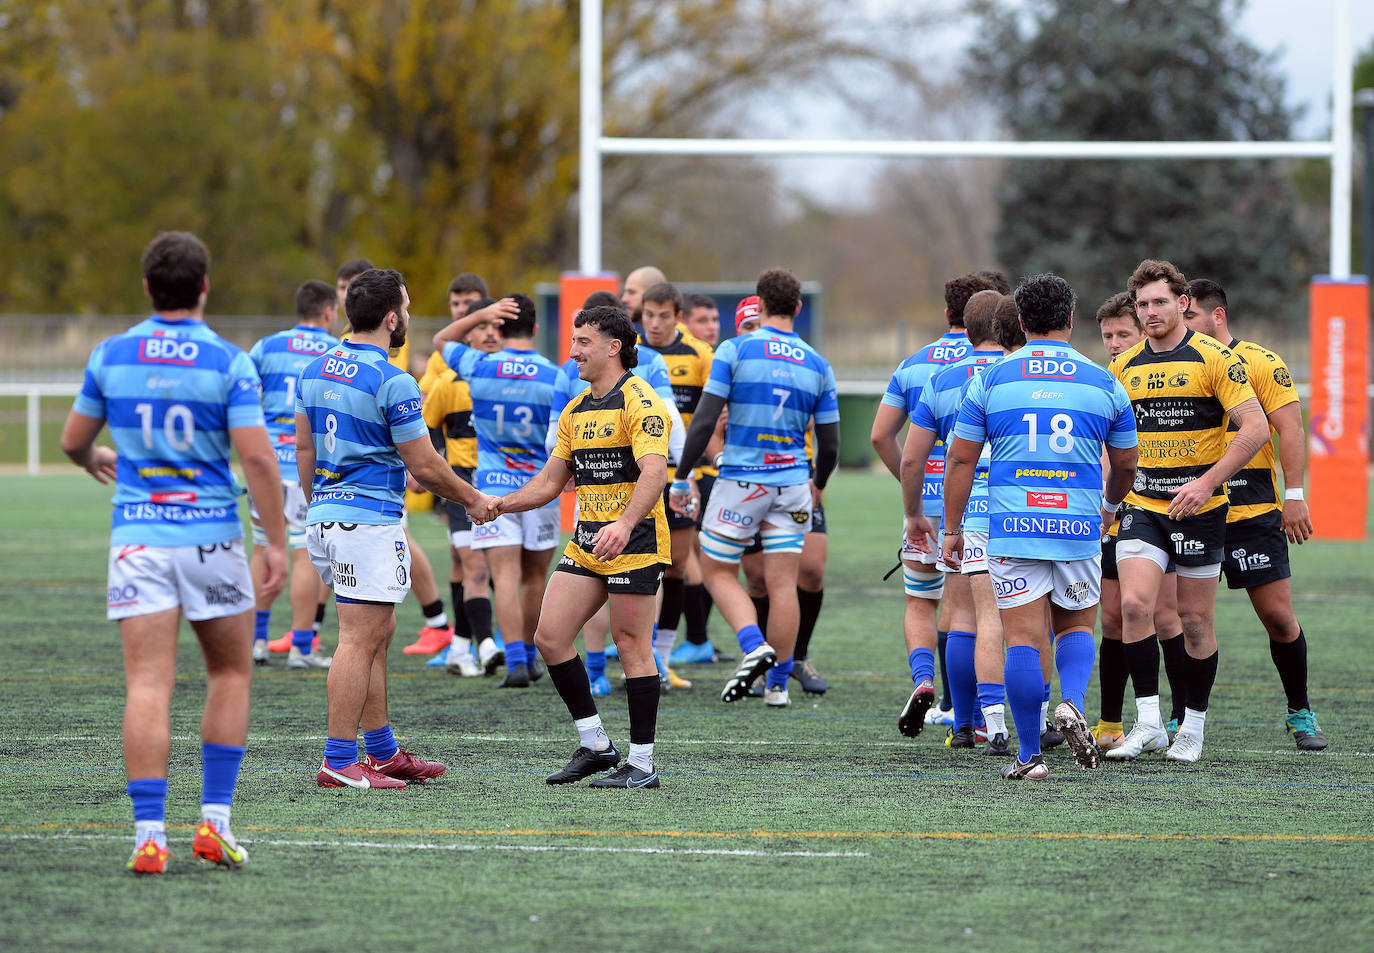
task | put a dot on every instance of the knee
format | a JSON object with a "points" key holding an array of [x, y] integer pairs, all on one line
{"points": [[1111, 621], [1135, 610], [1194, 624], [811, 578], [1281, 623]]}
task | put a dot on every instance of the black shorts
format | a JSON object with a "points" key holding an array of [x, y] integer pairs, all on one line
{"points": [[704, 484], [636, 582], [458, 519], [1256, 551], [1109, 558], [1196, 541], [676, 521]]}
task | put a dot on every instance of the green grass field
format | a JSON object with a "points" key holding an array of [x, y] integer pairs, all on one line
{"points": [[815, 828]]}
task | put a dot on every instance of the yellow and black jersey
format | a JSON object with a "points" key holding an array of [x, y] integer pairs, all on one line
{"points": [[448, 406], [1254, 490], [435, 368], [603, 440], [1181, 398], [689, 368]]}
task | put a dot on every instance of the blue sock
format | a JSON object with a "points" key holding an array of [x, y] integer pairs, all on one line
{"points": [[750, 637], [340, 752], [922, 663], [150, 798], [1025, 692], [963, 680], [1045, 696], [219, 772], [381, 743], [596, 665], [303, 640], [991, 693], [777, 675], [262, 625], [515, 654], [1074, 653], [658, 664]]}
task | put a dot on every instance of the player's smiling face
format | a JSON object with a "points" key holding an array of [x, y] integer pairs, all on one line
{"points": [[591, 350], [660, 323], [1159, 309], [1119, 334]]}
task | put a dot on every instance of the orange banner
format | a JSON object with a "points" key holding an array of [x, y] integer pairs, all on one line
{"points": [[1338, 428], [573, 289]]}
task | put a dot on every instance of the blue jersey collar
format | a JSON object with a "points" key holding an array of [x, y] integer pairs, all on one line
{"points": [[360, 346], [177, 322]]}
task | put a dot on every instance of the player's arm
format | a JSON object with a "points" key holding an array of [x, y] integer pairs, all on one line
{"points": [[544, 486], [78, 443], [887, 423], [261, 471], [915, 454], [305, 455], [827, 453], [1121, 465], [501, 311], [433, 473], [609, 541], [1254, 431], [677, 433], [699, 434], [1287, 422], [961, 463]]}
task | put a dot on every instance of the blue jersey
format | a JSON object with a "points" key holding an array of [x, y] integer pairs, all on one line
{"points": [[512, 401], [1047, 411], [651, 369], [904, 392], [359, 407], [937, 411], [279, 359], [171, 391], [774, 383]]}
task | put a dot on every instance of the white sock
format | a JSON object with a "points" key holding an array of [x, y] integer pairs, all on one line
{"points": [[155, 831], [1147, 712], [592, 734], [663, 643], [642, 757], [439, 621], [1044, 712], [461, 644], [216, 814], [1192, 722], [996, 718]]}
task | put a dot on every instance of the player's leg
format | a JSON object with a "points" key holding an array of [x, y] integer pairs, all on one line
{"points": [[596, 631], [957, 616], [1141, 565], [149, 646], [632, 624], [365, 627], [436, 634], [1111, 656], [1075, 592], [224, 730], [782, 550], [696, 605], [681, 534], [810, 597], [477, 608], [1172, 649], [534, 574], [504, 564], [1197, 596], [989, 646], [923, 584], [1021, 586], [262, 604], [1273, 604]]}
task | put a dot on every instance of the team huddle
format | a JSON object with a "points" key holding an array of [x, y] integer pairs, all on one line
{"points": [[1037, 485]]}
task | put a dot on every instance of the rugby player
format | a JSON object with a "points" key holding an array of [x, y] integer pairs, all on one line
{"points": [[632, 293], [1183, 385], [613, 442], [1258, 526], [1049, 413], [701, 318], [177, 398]]}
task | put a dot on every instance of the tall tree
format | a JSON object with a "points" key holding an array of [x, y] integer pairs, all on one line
{"points": [[1140, 70]]}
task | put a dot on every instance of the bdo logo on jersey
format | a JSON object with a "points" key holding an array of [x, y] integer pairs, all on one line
{"points": [[1051, 368], [339, 370], [1053, 501], [785, 351], [168, 351], [307, 345], [1005, 588], [518, 369], [735, 518]]}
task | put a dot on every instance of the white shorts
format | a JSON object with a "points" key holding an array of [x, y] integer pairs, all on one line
{"points": [[535, 530], [363, 563], [293, 507], [915, 557], [975, 558], [1076, 584], [1141, 549], [738, 510], [207, 582], [461, 539]]}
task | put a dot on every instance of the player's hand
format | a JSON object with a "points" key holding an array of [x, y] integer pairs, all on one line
{"points": [[486, 509], [684, 498], [1108, 518], [952, 550], [274, 572], [919, 533], [1190, 498], [412, 484], [816, 494], [499, 311], [609, 541], [102, 464], [1297, 524]]}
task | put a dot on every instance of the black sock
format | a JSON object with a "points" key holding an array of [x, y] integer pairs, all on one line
{"points": [[460, 616], [810, 605], [946, 702], [761, 610], [673, 596], [478, 613], [1111, 666], [694, 608], [1290, 658], [430, 611], [319, 614], [1202, 672], [570, 678], [641, 692], [1142, 661], [1175, 671]]}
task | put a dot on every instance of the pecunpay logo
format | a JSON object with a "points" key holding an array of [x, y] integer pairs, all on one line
{"points": [[165, 350]]}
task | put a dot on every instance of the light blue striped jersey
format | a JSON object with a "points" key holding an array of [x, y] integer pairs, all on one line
{"points": [[937, 411], [279, 359], [171, 391], [512, 401], [1047, 411], [360, 407], [774, 383], [904, 392], [651, 369]]}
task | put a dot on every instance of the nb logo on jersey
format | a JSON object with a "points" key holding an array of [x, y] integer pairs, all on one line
{"points": [[1049, 367], [168, 351], [339, 370], [307, 345], [517, 369], [785, 351]]}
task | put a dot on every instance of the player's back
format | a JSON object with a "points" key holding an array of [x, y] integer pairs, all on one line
{"points": [[947, 386], [909, 379], [280, 358], [512, 401], [171, 391]]}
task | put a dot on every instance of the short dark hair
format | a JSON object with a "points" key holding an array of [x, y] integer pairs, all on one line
{"points": [[1119, 306], [523, 325], [779, 292], [958, 291], [1045, 303], [313, 297], [1152, 270], [998, 280], [602, 299], [1008, 323], [664, 293], [175, 265], [693, 301], [372, 295], [1208, 293], [613, 322], [352, 269], [467, 281], [479, 304], [980, 316]]}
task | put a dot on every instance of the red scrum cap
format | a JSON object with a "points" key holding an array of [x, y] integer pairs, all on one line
{"points": [[746, 309]]}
